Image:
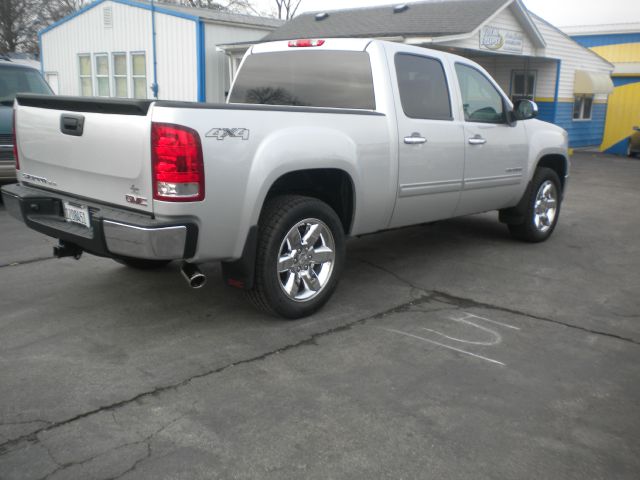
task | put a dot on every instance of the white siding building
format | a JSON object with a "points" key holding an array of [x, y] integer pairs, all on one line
{"points": [[136, 49]]}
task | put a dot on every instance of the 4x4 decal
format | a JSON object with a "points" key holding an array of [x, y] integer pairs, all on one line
{"points": [[222, 133]]}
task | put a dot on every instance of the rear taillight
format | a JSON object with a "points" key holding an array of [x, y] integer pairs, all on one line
{"points": [[306, 42], [15, 141], [178, 169]]}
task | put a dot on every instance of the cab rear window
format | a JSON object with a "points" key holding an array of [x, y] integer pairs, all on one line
{"points": [[334, 79]]}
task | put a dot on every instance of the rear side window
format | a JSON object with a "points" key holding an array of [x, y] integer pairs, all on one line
{"points": [[423, 87], [334, 79]]}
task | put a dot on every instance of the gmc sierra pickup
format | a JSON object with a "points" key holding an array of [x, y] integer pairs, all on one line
{"points": [[320, 139]]}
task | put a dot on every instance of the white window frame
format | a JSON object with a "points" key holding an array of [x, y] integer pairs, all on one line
{"points": [[107, 76], [125, 76], [133, 76], [512, 94], [90, 76], [580, 98]]}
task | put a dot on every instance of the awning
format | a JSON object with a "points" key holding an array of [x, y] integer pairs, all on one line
{"points": [[592, 82]]}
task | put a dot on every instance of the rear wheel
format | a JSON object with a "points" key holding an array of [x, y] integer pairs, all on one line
{"points": [[543, 208], [142, 263], [300, 256]]}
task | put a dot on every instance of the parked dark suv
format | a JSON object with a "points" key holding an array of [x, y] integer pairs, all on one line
{"points": [[14, 78]]}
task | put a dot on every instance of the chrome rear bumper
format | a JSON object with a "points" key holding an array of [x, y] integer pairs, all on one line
{"points": [[114, 232]]}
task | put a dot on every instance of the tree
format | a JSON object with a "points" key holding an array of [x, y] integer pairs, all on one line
{"points": [[54, 10], [18, 25], [287, 8], [20, 21], [235, 6]]}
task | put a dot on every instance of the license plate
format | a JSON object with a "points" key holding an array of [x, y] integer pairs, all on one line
{"points": [[77, 214]]}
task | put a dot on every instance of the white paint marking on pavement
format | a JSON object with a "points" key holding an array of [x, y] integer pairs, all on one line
{"points": [[497, 338], [468, 315], [491, 360]]}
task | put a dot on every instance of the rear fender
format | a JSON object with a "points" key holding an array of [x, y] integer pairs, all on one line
{"points": [[285, 151]]}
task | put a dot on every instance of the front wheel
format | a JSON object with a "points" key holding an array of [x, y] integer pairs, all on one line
{"points": [[301, 250], [543, 208]]}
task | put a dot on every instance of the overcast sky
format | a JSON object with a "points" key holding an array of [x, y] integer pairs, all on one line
{"points": [[558, 12]]}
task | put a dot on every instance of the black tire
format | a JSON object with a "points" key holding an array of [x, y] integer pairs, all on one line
{"points": [[532, 230], [142, 263], [278, 218], [630, 153]]}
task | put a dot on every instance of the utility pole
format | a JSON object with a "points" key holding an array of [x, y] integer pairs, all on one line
{"points": [[154, 85]]}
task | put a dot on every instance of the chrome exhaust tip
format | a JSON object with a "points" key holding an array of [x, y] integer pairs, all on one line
{"points": [[192, 274]]}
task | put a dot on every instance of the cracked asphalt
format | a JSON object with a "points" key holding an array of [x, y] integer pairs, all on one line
{"points": [[448, 351]]}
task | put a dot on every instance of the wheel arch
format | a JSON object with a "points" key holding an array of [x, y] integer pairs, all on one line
{"points": [[334, 186], [556, 162]]}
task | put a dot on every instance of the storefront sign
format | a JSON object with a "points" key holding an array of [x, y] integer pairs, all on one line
{"points": [[501, 40]]}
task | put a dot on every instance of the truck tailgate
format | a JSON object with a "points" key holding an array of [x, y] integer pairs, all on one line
{"points": [[97, 149]]}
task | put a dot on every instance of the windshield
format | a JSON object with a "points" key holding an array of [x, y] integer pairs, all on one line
{"points": [[20, 80]]}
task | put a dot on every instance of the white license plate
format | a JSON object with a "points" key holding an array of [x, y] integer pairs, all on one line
{"points": [[77, 214]]}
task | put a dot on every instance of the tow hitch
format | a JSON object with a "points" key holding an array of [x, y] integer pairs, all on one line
{"points": [[64, 249]]}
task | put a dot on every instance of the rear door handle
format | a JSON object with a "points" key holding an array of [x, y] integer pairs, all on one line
{"points": [[477, 140], [72, 124], [414, 139]]}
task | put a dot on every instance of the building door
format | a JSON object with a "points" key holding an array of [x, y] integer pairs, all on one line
{"points": [[52, 80], [496, 153], [431, 144]]}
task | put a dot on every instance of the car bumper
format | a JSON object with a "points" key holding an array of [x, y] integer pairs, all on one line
{"points": [[7, 168], [114, 232]]}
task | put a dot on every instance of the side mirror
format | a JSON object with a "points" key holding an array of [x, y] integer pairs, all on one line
{"points": [[525, 109]]}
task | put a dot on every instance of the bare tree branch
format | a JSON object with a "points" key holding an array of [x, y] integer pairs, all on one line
{"points": [[287, 8]]}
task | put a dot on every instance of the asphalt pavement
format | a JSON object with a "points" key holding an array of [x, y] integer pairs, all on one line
{"points": [[449, 351]]}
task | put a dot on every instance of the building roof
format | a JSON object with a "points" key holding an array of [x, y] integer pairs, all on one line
{"points": [[431, 17], [218, 16], [608, 28], [197, 14]]}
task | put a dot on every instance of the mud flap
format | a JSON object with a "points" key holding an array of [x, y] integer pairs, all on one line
{"points": [[241, 273]]}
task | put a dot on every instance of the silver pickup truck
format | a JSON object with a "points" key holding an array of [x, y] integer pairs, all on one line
{"points": [[319, 140]]}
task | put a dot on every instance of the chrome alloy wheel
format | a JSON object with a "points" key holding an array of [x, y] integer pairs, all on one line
{"points": [[546, 206], [306, 259]]}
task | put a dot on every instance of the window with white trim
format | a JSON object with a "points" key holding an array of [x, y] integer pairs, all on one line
{"points": [[582, 106], [86, 79], [102, 74], [120, 75], [523, 84], [139, 74]]}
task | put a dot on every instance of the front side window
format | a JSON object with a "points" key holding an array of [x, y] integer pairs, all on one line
{"points": [[102, 75], [423, 87], [481, 100], [523, 85], [120, 77], [306, 78], [86, 82], [582, 106], [139, 75]]}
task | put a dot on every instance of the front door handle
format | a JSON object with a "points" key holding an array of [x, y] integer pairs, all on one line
{"points": [[414, 139], [477, 140]]}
